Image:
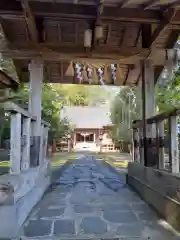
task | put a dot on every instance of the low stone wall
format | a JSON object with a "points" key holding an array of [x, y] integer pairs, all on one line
{"points": [[159, 189], [25, 191]]}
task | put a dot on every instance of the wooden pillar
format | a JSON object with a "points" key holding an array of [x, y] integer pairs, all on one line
{"points": [[45, 142], [141, 146], [148, 102], [69, 145], [41, 150], [26, 133], [15, 152], [173, 144], [35, 99], [94, 137], [136, 154], [160, 137], [74, 139]]}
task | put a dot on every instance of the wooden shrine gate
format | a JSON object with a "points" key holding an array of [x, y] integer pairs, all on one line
{"points": [[120, 42]]}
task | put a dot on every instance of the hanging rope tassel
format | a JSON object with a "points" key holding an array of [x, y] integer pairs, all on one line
{"points": [[89, 72], [107, 74], [70, 70], [119, 75], [95, 77], [84, 74]]}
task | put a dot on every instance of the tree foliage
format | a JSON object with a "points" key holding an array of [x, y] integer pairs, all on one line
{"points": [[127, 106], [53, 96], [168, 97], [83, 95]]}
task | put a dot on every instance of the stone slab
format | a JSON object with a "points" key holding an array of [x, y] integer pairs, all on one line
{"points": [[64, 227], [38, 228], [83, 209], [50, 213], [93, 225], [93, 210], [119, 216]]}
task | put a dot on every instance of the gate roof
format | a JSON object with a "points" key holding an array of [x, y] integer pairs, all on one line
{"points": [[133, 30]]}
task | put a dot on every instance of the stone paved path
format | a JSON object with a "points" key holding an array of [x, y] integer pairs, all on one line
{"points": [[91, 201]]}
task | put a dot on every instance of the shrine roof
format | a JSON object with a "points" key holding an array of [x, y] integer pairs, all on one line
{"points": [[87, 117], [53, 30]]}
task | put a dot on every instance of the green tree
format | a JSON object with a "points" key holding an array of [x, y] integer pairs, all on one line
{"points": [[50, 112], [83, 95], [168, 97], [126, 107]]}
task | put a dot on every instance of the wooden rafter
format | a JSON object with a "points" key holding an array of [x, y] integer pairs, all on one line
{"points": [[138, 79], [122, 3], [138, 35], [150, 4], [126, 78], [108, 34], [133, 73], [153, 3], [166, 20], [122, 36], [30, 21]]}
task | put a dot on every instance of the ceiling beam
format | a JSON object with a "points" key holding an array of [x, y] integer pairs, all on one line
{"points": [[124, 55], [77, 11], [102, 54], [30, 21]]}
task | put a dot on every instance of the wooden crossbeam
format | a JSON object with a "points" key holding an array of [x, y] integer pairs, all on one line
{"points": [[101, 54], [126, 55], [13, 9], [30, 21], [76, 11]]}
